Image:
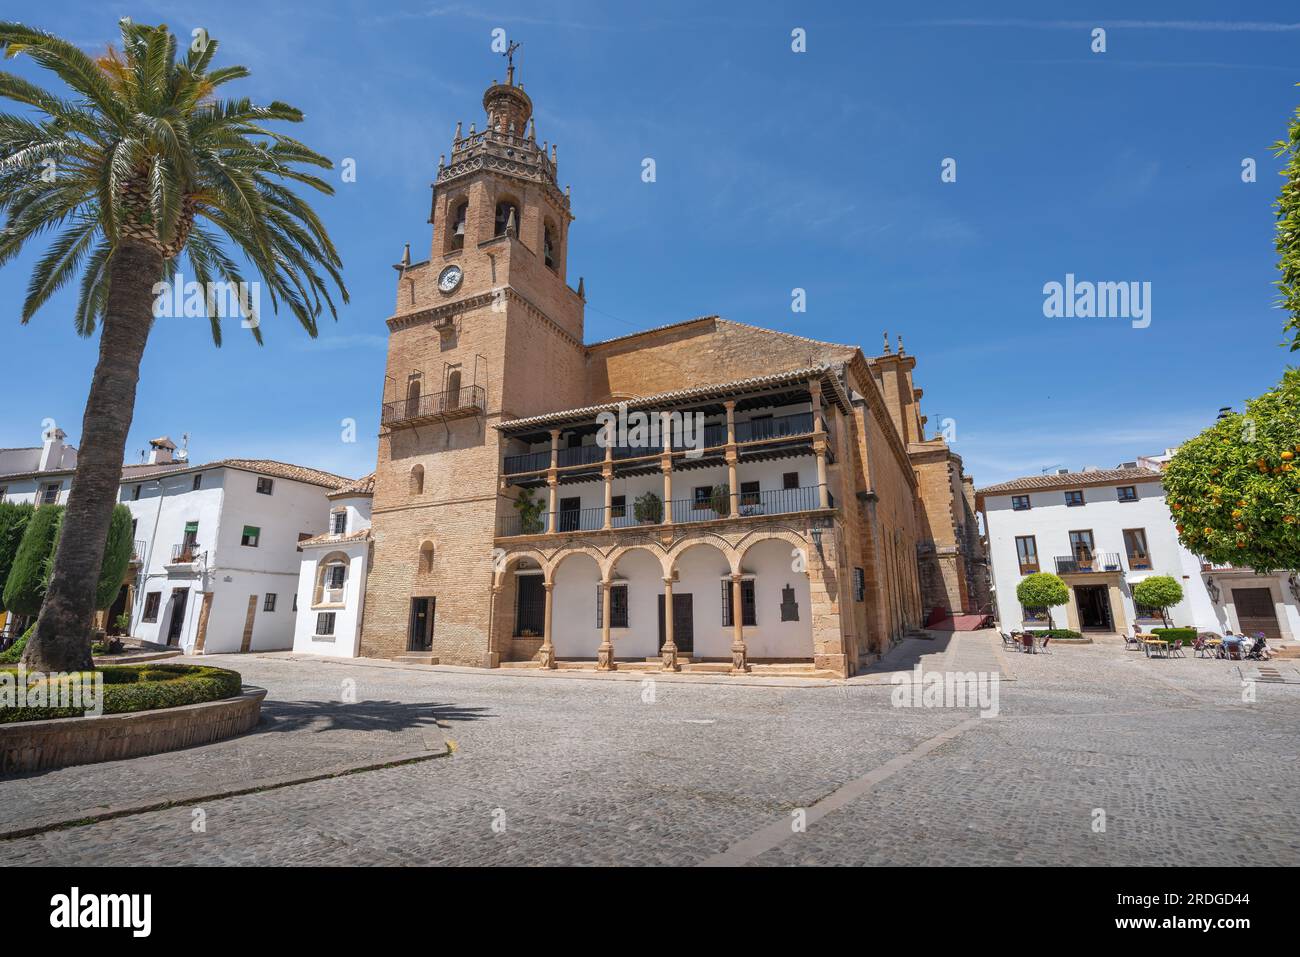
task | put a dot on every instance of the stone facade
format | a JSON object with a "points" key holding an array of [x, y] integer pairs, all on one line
{"points": [[491, 396]]}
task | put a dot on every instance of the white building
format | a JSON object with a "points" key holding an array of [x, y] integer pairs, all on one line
{"points": [[332, 576], [1103, 531], [216, 559]]}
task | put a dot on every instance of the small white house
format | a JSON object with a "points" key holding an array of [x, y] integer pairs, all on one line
{"points": [[332, 576], [219, 551], [1105, 530]]}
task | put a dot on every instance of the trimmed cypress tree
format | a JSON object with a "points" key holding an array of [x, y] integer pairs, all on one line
{"points": [[14, 517], [25, 587], [117, 558]]}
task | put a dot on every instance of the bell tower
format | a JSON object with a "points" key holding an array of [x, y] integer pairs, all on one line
{"points": [[484, 330]]}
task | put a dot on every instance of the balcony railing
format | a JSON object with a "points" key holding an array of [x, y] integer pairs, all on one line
{"points": [[1097, 562], [186, 553], [138, 548], [777, 427], [581, 455], [528, 462], [466, 400], [683, 512]]}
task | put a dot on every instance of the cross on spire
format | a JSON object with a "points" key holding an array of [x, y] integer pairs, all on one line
{"points": [[509, 54]]}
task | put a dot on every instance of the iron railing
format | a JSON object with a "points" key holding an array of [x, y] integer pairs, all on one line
{"points": [[777, 427], [527, 462], [186, 553], [1095, 562], [468, 398], [138, 548]]}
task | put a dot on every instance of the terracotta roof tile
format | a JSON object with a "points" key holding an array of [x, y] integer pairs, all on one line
{"points": [[362, 486], [335, 539], [1037, 483]]}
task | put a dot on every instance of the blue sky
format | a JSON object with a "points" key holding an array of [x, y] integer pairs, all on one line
{"points": [[775, 170]]}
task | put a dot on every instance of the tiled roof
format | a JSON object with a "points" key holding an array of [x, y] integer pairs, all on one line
{"points": [[362, 486], [679, 395], [269, 467], [335, 539], [284, 470], [1035, 483]]}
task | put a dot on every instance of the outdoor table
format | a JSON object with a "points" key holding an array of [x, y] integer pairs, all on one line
{"points": [[1151, 644]]}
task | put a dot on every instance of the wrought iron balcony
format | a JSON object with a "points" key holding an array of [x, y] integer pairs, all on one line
{"points": [[1084, 563], [186, 553], [467, 400], [528, 462], [138, 548], [777, 427]]}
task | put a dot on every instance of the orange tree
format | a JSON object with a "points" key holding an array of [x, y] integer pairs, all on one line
{"points": [[1234, 490]]}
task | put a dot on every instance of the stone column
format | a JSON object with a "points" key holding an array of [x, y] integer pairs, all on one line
{"points": [[607, 475], [666, 464], [732, 456], [668, 653], [546, 656], [739, 660], [553, 482], [605, 654], [819, 442]]}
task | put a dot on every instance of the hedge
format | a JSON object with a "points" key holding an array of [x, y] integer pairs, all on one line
{"points": [[15, 651], [129, 688], [1173, 634]]}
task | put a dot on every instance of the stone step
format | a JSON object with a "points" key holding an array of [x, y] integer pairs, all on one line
{"points": [[416, 658]]}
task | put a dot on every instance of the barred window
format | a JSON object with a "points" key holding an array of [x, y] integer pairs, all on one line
{"points": [[748, 607]]}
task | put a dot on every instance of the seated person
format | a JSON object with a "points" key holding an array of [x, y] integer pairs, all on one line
{"points": [[1260, 649], [1231, 643]]}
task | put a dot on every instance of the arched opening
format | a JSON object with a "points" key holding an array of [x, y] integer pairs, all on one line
{"points": [[417, 480], [575, 597], [550, 250], [782, 602], [507, 216], [331, 579], [636, 595], [459, 224], [426, 558], [698, 629], [453, 389], [413, 397]]}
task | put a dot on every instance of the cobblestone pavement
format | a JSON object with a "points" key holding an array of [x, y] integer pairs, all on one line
{"points": [[597, 771]]}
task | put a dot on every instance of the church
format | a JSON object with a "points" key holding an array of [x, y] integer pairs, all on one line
{"points": [[790, 516]]}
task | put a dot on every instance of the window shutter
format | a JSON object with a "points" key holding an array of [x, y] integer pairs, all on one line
{"points": [[726, 603], [600, 607]]}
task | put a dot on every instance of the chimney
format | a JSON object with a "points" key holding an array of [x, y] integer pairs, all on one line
{"points": [[160, 451], [52, 449]]}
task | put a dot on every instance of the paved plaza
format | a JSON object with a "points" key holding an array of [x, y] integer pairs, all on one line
{"points": [[453, 766]]}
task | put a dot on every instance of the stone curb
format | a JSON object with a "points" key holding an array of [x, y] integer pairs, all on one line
{"points": [[185, 798]]}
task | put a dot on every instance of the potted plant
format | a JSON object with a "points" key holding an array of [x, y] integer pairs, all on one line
{"points": [[1042, 590], [1159, 591], [648, 509], [720, 500], [530, 513]]}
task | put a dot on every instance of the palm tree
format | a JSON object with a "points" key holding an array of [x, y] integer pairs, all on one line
{"points": [[141, 164]]}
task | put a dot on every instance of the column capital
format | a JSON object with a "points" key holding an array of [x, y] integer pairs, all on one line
{"points": [[548, 585]]}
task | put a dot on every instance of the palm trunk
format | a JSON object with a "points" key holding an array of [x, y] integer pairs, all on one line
{"points": [[61, 641]]}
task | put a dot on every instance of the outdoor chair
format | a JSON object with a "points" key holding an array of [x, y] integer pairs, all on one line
{"points": [[1008, 641], [1043, 647], [1131, 642], [1176, 649]]}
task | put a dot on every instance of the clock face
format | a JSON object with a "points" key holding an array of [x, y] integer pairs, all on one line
{"points": [[449, 278]]}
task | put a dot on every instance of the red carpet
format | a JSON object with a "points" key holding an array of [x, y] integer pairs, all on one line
{"points": [[962, 623]]}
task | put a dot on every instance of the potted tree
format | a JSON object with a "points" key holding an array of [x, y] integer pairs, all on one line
{"points": [[648, 509], [720, 500], [1159, 591], [530, 513], [1042, 590]]}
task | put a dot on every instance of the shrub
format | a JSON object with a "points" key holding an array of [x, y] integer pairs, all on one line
{"points": [[720, 500], [1042, 590], [1062, 633], [131, 688], [14, 517], [117, 557], [25, 587], [15, 651], [1173, 634]]}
